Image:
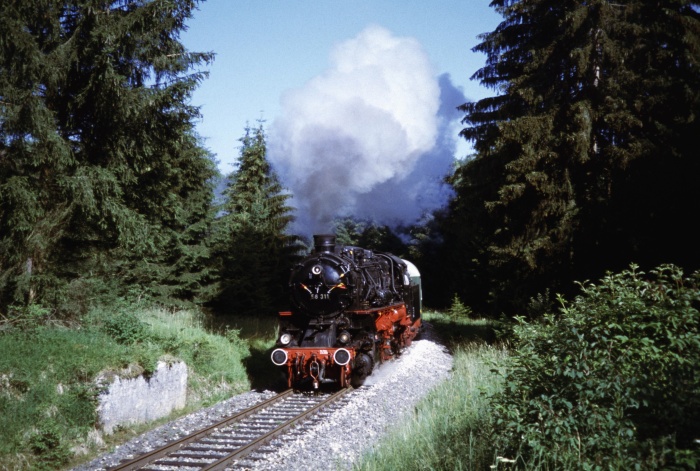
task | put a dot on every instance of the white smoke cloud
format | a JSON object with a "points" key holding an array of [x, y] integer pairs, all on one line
{"points": [[352, 140]]}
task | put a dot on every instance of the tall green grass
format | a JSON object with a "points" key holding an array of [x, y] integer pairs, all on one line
{"points": [[260, 333], [47, 399], [457, 331], [47, 372], [449, 427], [216, 361]]}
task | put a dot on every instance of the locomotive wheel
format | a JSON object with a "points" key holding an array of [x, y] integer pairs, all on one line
{"points": [[343, 378], [363, 368], [357, 381]]}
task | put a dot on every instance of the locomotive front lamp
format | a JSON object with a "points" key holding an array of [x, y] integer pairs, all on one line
{"points": [[279, 357], [344, 337], [342, 356], [285, 338]]}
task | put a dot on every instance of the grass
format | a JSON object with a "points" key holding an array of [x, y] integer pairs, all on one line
{"points": [[457, 331], [47, 397], [216, 361], [260, 333], [47, 372], [449, 427]]}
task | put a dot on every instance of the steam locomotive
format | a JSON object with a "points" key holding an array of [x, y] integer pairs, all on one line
{"points": [[352, 308]]}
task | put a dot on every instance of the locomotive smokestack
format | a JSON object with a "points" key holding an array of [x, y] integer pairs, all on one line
{"points": [[324, 242]]}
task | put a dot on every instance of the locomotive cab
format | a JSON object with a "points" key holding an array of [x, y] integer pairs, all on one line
{"points": [[415, 290]]}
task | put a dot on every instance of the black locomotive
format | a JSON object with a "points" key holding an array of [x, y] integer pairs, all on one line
{"points": [[352, 308]]}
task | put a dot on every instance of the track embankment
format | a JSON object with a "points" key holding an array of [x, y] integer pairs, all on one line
{"points": [[333, 441]]}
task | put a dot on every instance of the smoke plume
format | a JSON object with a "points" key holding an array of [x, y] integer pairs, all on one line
{"points": [[371, 137]]}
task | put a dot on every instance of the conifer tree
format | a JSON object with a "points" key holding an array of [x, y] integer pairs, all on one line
{"points": [[253, 251], [583, 163], [368, 234], [100, 169]]}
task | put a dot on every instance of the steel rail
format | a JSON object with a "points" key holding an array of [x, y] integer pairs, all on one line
{"points": [[280, 429], [158, 453]]}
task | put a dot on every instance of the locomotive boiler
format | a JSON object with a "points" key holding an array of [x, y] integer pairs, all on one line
{"points": [[352, 308]]}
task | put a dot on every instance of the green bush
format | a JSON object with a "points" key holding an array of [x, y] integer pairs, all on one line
{"points": [[46, 443], [541, 304], [26, 318], [126, 328], [610, 382]]}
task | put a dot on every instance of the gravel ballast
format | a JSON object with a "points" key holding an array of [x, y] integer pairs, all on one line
{"points": [[388, 396]]}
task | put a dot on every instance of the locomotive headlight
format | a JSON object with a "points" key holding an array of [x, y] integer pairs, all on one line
{"points": [[341, 356], [285, 338], [279, 357], [344, 337]]}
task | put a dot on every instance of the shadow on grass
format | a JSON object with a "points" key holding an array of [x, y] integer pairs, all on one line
{"points": [[263, 374], [260, 333], [453, 333]]}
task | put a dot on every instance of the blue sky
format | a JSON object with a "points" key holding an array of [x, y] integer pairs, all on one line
{"points": [[265, 47], [358, 95]]}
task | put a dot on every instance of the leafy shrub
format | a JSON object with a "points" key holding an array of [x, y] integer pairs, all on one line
{"points": [[49, 446], [126, 328], [26, 318], [541, 304], [611, 382]]}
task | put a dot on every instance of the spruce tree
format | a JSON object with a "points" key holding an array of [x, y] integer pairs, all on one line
{"points": [[253, 250], [368, 234], [586, 142], [101, 172]]}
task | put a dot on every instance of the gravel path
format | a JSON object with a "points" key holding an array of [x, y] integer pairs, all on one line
{"points": [[389, 394]]}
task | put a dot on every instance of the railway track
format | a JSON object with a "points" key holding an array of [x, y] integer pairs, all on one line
{"points": [[230, 440]]}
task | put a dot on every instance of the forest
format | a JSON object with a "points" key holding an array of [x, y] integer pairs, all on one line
{"points": [[584, 171], [584, 163]]}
